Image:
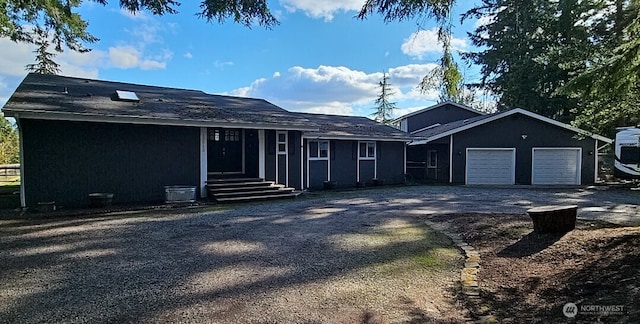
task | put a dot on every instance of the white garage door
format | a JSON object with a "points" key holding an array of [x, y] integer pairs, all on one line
{"points": [[491, 166], [556, 166]]}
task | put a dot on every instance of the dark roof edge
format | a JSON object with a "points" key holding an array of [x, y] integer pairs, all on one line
{"points": [[509, 113], [438, 106], [359, 138], [147, 121]]}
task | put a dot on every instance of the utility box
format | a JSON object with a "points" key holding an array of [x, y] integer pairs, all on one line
{"points": [[179, 194]]}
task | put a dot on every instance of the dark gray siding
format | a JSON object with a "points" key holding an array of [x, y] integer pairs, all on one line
{"points": [[367, 171], [507, 133], [295, 158], [344, 158], [65, 161], [390, 157], [441, 115], [270, 156], [251, 153], [317, 173]]}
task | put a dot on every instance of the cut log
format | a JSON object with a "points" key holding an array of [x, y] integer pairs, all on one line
{"points": [[553, 219]]}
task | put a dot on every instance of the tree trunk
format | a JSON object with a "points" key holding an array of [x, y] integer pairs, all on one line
{"points": [[553, 219]]}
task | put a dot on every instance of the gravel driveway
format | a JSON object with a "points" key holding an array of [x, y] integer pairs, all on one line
{"points": [[320, 258]]}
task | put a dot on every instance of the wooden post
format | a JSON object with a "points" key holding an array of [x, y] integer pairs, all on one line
{"points": [[553, 219]]}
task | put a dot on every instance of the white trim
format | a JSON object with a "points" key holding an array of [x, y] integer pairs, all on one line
{"points": [[23, 198], [404, 125], [149, 121], [442, 104], [284, 153], [509, 113], [596, 162], [204, 138], [513, 161], [261, 155], [329, 161], [451, 158], [578, 167], [367, 157], [425, 128], [302, 164], [318, 158], [405, 160]]}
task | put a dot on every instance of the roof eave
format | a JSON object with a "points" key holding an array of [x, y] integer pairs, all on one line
{"points": [[147, 120], [508, 113]]}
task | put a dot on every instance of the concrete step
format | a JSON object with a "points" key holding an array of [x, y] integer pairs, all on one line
{"points": [[274, 191], [261, 197]]}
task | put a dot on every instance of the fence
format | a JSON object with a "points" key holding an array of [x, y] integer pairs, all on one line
{"points": [[10, 173]]}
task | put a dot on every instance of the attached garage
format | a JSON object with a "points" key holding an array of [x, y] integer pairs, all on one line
{"points": [[556, 166], [492, 166], [512, 147]]}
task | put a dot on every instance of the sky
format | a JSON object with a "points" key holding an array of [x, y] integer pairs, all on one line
{"points": [[320, 58]]}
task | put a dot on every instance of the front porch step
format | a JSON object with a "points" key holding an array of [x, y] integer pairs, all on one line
{"points": [[247, 189], [263, 197]]}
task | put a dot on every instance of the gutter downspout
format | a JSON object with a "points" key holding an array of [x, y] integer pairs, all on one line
{"points": [[23, 198]]}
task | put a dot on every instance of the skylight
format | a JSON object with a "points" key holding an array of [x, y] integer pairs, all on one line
{"points": [[126, 95]]}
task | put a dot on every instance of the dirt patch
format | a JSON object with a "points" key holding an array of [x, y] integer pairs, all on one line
{"points": [[529, 277]]}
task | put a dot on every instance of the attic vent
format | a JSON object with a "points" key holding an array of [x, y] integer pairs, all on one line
{"points": [[126, 95]]}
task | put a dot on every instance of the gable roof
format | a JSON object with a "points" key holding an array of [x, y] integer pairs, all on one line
{"points": [[65, 98], [352, 127], [439, 132], [442, 104]]}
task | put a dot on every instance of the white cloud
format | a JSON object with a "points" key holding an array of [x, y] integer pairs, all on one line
{"points": [[335, 89], [426, 41], [484, 20], [140, 15], [188, 55], [322, 9], [128, 57], [222, 64]]}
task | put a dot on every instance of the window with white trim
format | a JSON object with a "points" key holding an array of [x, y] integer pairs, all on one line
{"points": [[367, 150], [318, 150], [282, 142], [432, 159]]}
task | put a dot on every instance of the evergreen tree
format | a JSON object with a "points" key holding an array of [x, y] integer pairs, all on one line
{"points": [[527, 50], [384, 109], [9, 145], [44, 59]]}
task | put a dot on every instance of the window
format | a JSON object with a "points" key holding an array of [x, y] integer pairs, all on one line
{"points": [[629, 155], [432, 159], [319, 150], [214, 135], [282, 142], [367, 150], [232, 135]]}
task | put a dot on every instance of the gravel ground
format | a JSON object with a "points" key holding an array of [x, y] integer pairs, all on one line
{"points": [[360, 256]]}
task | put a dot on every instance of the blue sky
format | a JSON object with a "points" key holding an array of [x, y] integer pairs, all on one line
{"points": [[319, 59]]}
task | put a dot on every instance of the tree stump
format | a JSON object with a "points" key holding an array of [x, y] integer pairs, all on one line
{"points": [[553, 219]]}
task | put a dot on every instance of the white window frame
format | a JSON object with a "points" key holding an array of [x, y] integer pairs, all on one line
{"points": [[366, 154], [429, 165], [318, 157], [285, 142]]}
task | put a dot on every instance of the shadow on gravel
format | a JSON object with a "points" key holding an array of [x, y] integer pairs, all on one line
{"points": [[157, 266]]}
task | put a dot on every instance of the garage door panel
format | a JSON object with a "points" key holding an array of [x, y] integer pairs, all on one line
{"points": [[490, 166], [556, 166]]}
